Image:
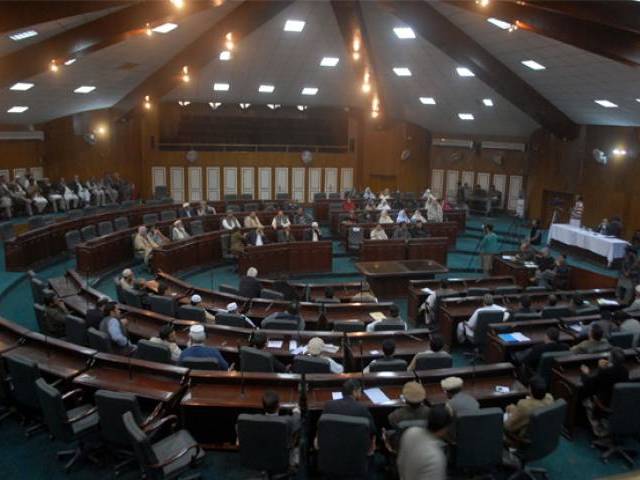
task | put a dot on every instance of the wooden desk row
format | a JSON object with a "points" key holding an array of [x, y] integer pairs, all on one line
{"points": [[341, 290], [444, 229], [336, 217], [432, 248], [296, 257]]}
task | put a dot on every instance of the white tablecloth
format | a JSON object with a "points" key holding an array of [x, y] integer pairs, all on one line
{"points": [[608, 247]]}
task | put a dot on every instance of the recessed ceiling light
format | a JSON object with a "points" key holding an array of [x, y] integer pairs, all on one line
{"points": [[85, 89], [244, 106], [302, 108], [165, 27], [273, 106], [294, 26], [465, 72], [309, 91], [329, 61], [214, 105], [16, 37], [71, 61], [221, 87], [533, 65], [18, 109], [427, 100], [21, 86], [606, 103], [404, 32], [638, 99], [402, 71], [499, 23], [487, 102], [225, 55], [466, 116], [266, 88], [184, 103]]}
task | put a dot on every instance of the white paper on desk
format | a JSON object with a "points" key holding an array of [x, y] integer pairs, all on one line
{"points": [[605, 301], [508, 257], [519, 337], [274, 344], [355, 229], [374, 352], [377, 315], [300, 350], [293, 345], [530, 264], [576, 327], [426, 290], [376, 396], [336, 395]]}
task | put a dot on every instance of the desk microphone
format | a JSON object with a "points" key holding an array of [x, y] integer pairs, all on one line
{"points": [[302, 398], [241, 382], [416, 376]]}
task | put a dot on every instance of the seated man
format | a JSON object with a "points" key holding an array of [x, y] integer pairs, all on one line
{"points": [[313, 234], [429, 306], [552, 301], [156, 236], [284, 235], [204, 209], [196, 301], [196, 347], [385, 217], [517, 416], [544, 260], [271, 407], [167, 336], [291, 313], [328, 297], [178, 232], [531, 357], [230, 222], [116, 328], [526, 253], [94, 315], [349, 405], [435, 348], [257, 238], [466, 329], [402, 217], [458, 402], [401, 232], [555, 278], [315, 348], [417, 230], [280, 221], [232, 308], [394, 314], [236, 242], [635, 305], [597, 388], [365, 295], [417, 217], [252, 221], [55, 312], [127, 279], [596, 343], [185, 211], [142, 245], [301, 218], [413, 394], [378, 233], [259, 340], [615, 227], [388, 349], [525, 305], [249, 286]]}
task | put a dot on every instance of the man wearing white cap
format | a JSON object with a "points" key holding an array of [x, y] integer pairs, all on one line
{"points": [[249, 286], [315, 348], [185, 211], [178, 232], [196, 301], [313, 235], [232, 309], [230, 222], [127, 280], [197, 349], [466, 329]]}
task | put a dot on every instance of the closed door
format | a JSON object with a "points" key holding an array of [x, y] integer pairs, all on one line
{"points": [[264, 183], [195, 184], [467, 177], [158, 178], [230, 175], [437, 181], [177, 184], [315, 179], [282, 180], [515, 187], [213, 183], [247, 181], [297, 183], [346, 179], [452, 185], [500, 184], [36, 172], [330, 180], [483, 180]]}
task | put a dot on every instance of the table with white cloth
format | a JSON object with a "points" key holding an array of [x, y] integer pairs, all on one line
{"points": [[605, 246]]}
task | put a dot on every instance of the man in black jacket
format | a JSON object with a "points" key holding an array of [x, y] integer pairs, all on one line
{"points": [[95, 315], [531, 358], [249, 286], [349, 405]]}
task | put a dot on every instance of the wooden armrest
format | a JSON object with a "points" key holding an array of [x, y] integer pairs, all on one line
{"points": [[72, 393], [89, 412], [152, 416], [601, 406], [178, 455], [153, 426]]}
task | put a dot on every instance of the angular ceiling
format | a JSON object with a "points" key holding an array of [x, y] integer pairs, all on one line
{"points": [[290, 61]]}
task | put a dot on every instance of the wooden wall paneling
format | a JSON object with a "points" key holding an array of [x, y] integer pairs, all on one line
{"points": [[331, 180], [452, 185], [5, 172], [437, 182], [248, 183], [158, 178], [213, 183], [177, 184], [483, 179], [297, 183], [37, 172], [515, 187], [282, 180], [500, 183], [230, 177], [264, 183], [315, 182], [468, 178], [20, 153], [194, 176], [346, 179]]}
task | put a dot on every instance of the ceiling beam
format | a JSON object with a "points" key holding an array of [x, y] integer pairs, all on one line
{"points": [[90, 37], [351, 21], [241, 21], [447, 37], [619, 45], [15, 15]]}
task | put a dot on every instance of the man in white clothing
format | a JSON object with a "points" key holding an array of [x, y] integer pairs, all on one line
{"points": [[315, 348], [378, 233], [230, 222], [466, 329], [280, 221]]}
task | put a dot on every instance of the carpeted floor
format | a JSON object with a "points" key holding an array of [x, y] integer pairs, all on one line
{"points": [[35, 459]]}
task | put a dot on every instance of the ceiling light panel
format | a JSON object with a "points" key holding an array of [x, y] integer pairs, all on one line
{"points": [[533, 65], [427, 100], [466, 116], [465, 72], [329, 61], [606, 103], [85, 89], [266, 88], [499, 23], [487, 102], [165, 27], [294, 26], [21, 86], [309, 91], [404, 32], [225, 55], [16, 37], [221, 87], [18, 109], [402, 71]]}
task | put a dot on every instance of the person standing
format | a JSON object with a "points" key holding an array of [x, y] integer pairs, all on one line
{"points": [[577, 212], [488, 247], [629, 276]]}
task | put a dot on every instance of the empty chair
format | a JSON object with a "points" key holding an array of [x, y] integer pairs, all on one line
{"points": [[429, 361], [121, 223], [250, 207], [477, 291], [556, 312], [230, 196], [225, 241], [229, 289], [35, 222], [507, 290], [77, 213], [99, 341], [40, 313], [197, 363], [535, 288], [72, 239], [150, 218], [196, 228], [167, 215], [105, 228], [279, 324], [264, 443], [233, 208], [163, 305], [7, 231], [271, 294], [334, 195], [479, 440], [88, 232], [37, 290], [306, 364], [587, 310], [355, 238], [518, 317], [230, 320], [343, 445], [246, 196], [395, 365], [89, 210], [127, 204], [545, 426], [319, 196], [76, 330], [167, 458], [22, 375], [389, 325], [621, 339], [189, 312], [349, 326], [545, 365], [255, 360], [131, 298], [153, 352], [69, 426]]}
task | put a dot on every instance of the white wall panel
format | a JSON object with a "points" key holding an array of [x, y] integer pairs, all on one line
{"points": [[500, 183], [230, 176], [248, 181], [331, 180], [213, 183], [282, 180], [515, 186], [37, 172], [195, 183], [264, 183], [346, 179], [177, 184], [297, 183], [315, 182], [467, 177], [437, 181], [482, 179], [452, 185]]}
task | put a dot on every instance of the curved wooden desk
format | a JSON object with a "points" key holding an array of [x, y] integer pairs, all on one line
{"points": [[294, 257]]}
